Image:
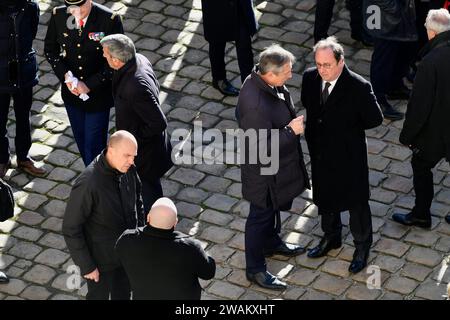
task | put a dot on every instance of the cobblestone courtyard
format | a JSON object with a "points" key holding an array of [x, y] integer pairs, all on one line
{"points": [[169, 32]]}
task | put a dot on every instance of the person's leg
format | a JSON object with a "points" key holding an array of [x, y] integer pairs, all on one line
{"points": [[331, 225], [151, 191], [244, 52], [5, 99], [77, 118], [217, 60], [100, 290], [260, 224], [382, 67], [323, 16], [120, 286], [361, 226], [96, 134], [22, 106]]}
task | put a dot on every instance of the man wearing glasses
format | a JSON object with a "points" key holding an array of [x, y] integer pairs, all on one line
{"points": [[340, 105]]}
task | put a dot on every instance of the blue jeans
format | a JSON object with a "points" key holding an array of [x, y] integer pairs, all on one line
{"points": [[90, 130]]}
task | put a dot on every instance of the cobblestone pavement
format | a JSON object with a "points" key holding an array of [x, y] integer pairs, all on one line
{"points": [[169, 33]]}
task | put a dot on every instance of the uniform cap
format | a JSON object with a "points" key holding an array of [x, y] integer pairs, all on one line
{"points": [[74, 2]]}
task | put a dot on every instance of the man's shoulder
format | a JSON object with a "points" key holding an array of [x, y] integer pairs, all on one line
{"points": [[59, 10], [104, 11], [356, 79]]}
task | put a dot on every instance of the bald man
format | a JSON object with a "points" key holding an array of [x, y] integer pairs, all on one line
{"points": [[105, 201], [161, 263]]}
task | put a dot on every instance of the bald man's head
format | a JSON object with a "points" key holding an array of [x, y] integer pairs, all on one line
{"points": [[122, 148], [163, 214]]}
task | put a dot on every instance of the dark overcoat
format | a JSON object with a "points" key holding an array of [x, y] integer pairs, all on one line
{"points": [[222, 19], [427, 122], [336, 138]]}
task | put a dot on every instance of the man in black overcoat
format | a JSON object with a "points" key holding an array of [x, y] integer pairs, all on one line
{"points": [[340, 105]]}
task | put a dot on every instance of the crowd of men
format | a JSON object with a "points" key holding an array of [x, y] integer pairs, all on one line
{"points": [[119, 228]]}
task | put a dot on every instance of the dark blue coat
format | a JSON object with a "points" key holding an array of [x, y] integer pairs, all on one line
{"points": [[18, 27], [222, 19]]}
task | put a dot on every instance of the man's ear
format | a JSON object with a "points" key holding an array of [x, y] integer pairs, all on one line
{"points": [[148, 218], [176, 221]]}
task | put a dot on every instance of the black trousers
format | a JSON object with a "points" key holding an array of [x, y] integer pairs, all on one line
{"points": [[112, 284], [423, 185], [390, 63], [360, 225], [22, 101], [244, 55], [261, 232], [151, 191]]}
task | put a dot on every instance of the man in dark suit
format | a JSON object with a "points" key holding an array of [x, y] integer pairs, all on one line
{"points": [[72, 47], [104, 202], [340, 105], [224, 21], [163, 264], [136, 99], [426, 128], [19, 20], [266, 113]]}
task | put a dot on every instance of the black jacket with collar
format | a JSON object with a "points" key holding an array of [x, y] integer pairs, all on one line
{"points": [[136, 99], [163, 264], [336, 139], [426, 127], [259, 107], [65, 49], [103, 203]]}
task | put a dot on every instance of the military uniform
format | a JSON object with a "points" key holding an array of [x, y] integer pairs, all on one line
{"points": [[71, 48]]}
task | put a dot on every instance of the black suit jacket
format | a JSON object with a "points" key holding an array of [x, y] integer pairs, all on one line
{"points": [[163, 264], [66, 50], [336, 139]]}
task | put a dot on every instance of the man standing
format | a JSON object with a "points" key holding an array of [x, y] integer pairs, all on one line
{"points": [[104, 202], [265, 110], [426, 128], [72, 47], [340, 105], [136, 99], [225, 21], [163, 264], [19, 20]]}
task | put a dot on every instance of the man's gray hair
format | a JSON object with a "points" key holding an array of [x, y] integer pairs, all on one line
{"points": [[120, 47], [438, 20], [273, 58], [333, 44]]}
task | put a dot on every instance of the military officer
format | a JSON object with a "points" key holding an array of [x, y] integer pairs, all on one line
{"points": [[72, 47]]}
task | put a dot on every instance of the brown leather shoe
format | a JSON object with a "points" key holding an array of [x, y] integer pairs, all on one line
{"points": [[4, 168], [30, 167]]}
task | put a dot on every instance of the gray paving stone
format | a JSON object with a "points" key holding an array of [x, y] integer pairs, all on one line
{"points": [[14, 287], [397, 183], [7, 241], [220, 252], [397, 152], [192, 195], [425, 256], [422, 238], [188, 226], [217, 234], [383, 196], [25, 250], [238, 241], [312, 294], [190, 102], [220, 202], [31, 201], [170, 188], [359, 292], [415, 271], [392, 247], [378, 163], [309, 263], [6, 260], [23, 264], [53, 224], [336, 268], [444, 196], [226, 290], [388, 263], [215, 169], [431, 291], [60, 192], [55, 208], [30, 218], [239, 278], [332, 285], [40, 274], [53, 240], [182, 114], [52, 257], [63, 297], [39, 185], [60, 282], [36, 293], [238, 260], [187, 176], [61, 158], [302, 277], [216, 217], [252, 295], [188, 210], [61, 175], [394, 230], [39, 151], [401, 285], [215, 184], [27, 233]]}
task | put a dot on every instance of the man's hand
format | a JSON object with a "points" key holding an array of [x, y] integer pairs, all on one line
{"points": [[297, 125], [82, 87], [94, 275], [69, 86]]}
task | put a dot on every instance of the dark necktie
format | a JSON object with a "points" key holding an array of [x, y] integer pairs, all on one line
{"points": [[325, 93]]}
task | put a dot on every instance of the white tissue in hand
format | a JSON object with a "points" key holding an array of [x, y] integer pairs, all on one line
{"points": [[74, 84]]}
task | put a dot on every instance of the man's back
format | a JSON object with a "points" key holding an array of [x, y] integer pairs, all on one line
{"points": [[163, 264]]}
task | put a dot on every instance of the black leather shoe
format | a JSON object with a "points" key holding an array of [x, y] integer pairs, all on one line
{"points": [[390, 113], [3, 278], [323, 247], [285, 249], [266, 280], [401, 93], [4, 168], [447, 218], [359, 261], [226, 88], [410, 220]]}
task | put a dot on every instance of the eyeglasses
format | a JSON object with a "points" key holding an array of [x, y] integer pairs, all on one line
{"points": [[324, 65]]}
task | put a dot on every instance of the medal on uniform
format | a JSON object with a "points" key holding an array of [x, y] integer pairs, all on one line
{"points": [[96, 36]]}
